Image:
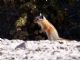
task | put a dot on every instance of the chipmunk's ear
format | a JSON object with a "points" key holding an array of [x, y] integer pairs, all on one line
{"points": [[41, 16], [44, 17]]}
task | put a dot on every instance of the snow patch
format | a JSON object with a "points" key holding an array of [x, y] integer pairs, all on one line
{"points": [[39, 50]]}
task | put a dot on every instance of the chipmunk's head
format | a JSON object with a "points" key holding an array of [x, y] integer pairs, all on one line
{"points": [[39, 18]]}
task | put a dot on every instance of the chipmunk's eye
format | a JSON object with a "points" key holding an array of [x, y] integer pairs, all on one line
{"points": [[39, 18]]}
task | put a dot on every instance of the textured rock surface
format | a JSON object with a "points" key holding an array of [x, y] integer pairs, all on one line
{"points": [[39, 50]]}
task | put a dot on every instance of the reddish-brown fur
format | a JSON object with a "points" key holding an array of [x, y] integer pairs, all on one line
{"points": [[47, 27]]}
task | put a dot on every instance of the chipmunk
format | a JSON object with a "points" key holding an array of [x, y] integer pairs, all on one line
{"points": [[47, 27]]}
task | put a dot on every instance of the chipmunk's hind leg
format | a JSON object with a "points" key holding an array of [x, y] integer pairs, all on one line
{"points": [[53, 37]]}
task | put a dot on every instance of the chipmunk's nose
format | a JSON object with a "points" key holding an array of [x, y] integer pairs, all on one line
{"points": [[35, 20]]}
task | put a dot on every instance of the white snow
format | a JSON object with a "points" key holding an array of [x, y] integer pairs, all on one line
{"points": [[39, 50]]}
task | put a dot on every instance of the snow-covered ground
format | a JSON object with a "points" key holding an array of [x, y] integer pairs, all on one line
{"points": [[39, 50]]}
